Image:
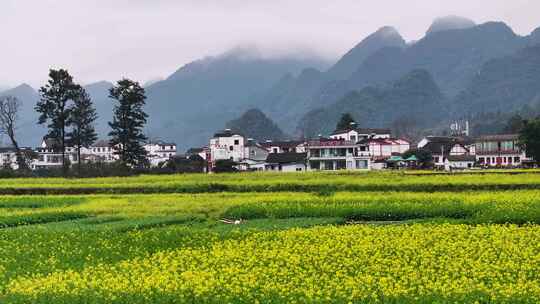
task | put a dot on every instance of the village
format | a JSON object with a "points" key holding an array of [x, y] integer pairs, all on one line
{"points": [[352, 148], [366, 149]]}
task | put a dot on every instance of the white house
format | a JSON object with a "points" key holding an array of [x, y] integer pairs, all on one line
{"points": [[8, 157], [286, 162], [459, 162], [100, 151], [254, 156], [159, 151], [227, 145], [337, 154], [357, 134], [50, 156], [290, 146], [442, 147], [380, 148], [500, 150]]}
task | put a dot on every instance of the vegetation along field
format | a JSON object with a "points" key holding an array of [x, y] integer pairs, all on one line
{"points": [[301, 238]]}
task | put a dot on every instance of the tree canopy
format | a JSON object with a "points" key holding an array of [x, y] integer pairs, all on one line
{"points": [[529, 138], [345, 121], [128, 122]]}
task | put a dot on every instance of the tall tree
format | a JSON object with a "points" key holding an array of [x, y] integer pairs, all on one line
{"points": [[128, 122], [81, 119], [54, 107], [345, 121], [9, 114], [529, 138]]}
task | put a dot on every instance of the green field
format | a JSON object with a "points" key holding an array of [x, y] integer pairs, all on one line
{"points": [[304, 238]]}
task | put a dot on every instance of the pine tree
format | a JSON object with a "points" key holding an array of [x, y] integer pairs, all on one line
{"points": [[345, 121], [82, 118], [128, 122], [54, 107]]}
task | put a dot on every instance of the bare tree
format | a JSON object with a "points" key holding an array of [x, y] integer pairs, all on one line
{"points": [[9, 114]]}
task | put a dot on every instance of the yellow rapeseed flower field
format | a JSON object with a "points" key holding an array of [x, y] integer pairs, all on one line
{"points": [[380, 264]]}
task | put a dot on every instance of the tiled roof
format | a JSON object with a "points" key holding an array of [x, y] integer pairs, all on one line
{"points": [[286, 158], [438, 147]]}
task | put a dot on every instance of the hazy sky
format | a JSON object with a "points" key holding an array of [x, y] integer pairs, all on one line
{"points": [[147, 39]]}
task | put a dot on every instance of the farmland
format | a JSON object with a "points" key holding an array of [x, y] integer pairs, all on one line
{"points": [[317, 237]]}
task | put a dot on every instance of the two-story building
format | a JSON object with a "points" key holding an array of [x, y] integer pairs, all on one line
{"points": [[50, 155], [255, 156], [442, 147], [289, 146], [226, 145], [8, 157], [159, 151], [381, 148], [500, 150], [101, 151], [358, 134], [337, 154]]}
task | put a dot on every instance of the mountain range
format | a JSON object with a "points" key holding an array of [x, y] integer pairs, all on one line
{"points": [[457, 69]]}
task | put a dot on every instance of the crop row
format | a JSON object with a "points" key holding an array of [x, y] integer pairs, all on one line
{"points": [[273, 182], [516, 207], [388, 264]]}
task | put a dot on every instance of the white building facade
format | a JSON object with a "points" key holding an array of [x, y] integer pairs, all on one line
{"points": [[159, 152], [500, 151], [227, 145], [337, 154]]}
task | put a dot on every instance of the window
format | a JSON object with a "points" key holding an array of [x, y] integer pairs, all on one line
{"points": [[517, 159], [231, 148], [361, 164], [481, 160], [353, 137], [236, 142], [274, 150]]}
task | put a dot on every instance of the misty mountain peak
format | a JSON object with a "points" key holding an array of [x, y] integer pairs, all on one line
{"points": [[387, 32], [450, 23], [255, 124], [24, 87], [245, 52], [22, 91], [386, 36]]}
